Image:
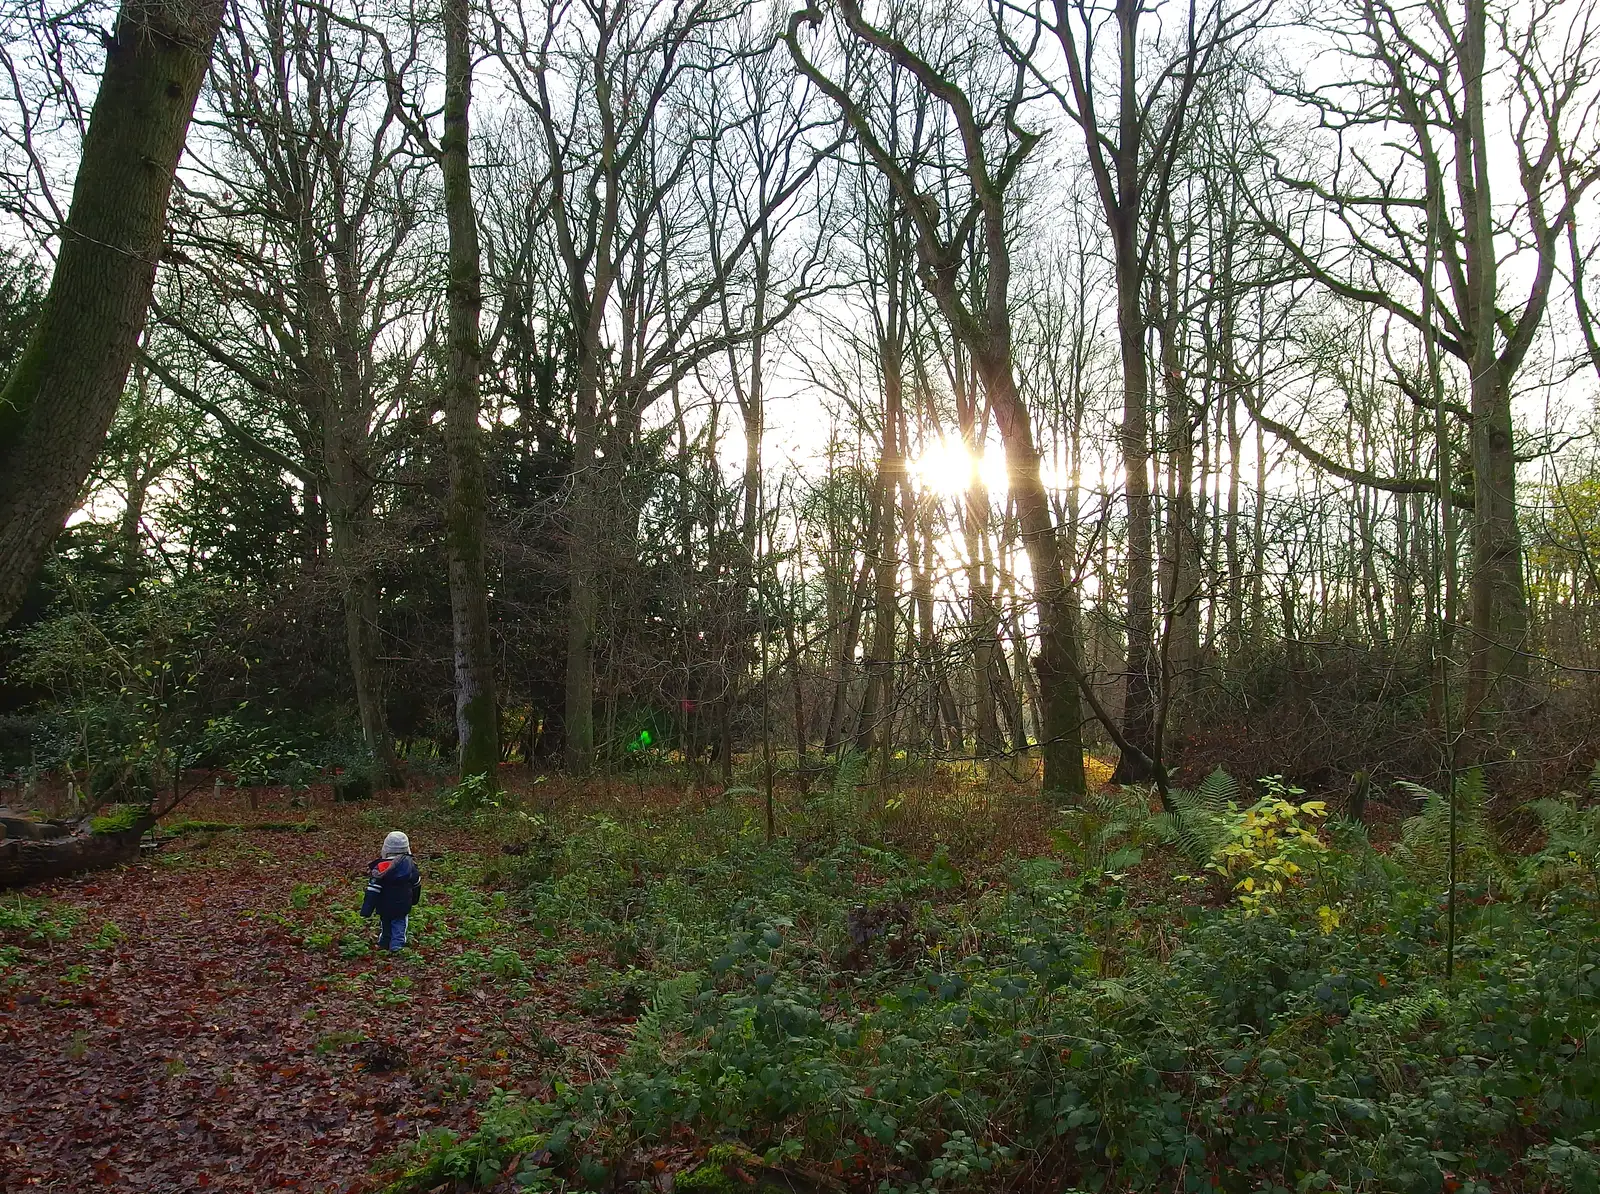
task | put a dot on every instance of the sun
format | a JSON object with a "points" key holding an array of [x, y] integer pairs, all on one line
{"points": [[948, 467]]}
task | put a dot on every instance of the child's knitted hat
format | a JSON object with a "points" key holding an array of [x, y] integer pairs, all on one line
{"points": [[396, 844]]}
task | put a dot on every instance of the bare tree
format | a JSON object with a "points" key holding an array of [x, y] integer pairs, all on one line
{"points": [[296, 284], [1134, 114], [466, 518], [993, 147], [1412, 185], [638, 243]]}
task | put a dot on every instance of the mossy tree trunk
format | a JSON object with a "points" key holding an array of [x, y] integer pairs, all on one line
{"points": [[477, 718], [61, 397]]}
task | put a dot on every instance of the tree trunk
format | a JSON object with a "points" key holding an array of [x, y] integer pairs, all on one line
{"points": [[1181, 615], [1499, 602], [955, 731], [886, 571], [944, 725], [793, 633], [1060, 713], [1235, 634], [1498, 598], [477, 718], [581, 600], [63, 393], [1138, 708], [337, 393], [1009, 684], [1258, 539], [983, 620], [313, 526], [360, 596], [130, 535], [844, 658]]}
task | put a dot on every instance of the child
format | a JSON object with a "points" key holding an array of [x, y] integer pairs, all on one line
{"points": [[394, 887]]}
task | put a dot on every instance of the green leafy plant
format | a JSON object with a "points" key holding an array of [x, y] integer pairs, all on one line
{"points": [[1201, 817], [1108, 831], [1053, 1011], [1571, 849], [510, 1136], [1265, 847], [472, 794], [27, 924]]}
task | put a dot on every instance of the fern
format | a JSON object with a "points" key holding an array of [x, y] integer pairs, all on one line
{"points": [[1403, 1015], [1424, 846], [1113, 825], [1572, 843], [1105, 833], [847, 775], [1197, 823], [668, 1012]]}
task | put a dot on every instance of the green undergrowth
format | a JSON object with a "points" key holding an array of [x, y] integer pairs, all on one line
{"points": [[181, 828], [469, 931], [28, 926], [820, 1010]]}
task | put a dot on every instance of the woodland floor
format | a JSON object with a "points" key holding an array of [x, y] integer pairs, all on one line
{"points": [[200, 1043]]}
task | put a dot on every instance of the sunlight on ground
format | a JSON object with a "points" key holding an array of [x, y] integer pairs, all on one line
{"points": [[1097, 771]]}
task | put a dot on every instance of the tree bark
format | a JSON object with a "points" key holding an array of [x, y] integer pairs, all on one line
{"points": [[477, 716], [1182, 571], [1138, 707], [359, 592], [879, 697], [982, 620], [850, 635], [1060, 713], [336, 392], [582, 530], [63, 393], [1496, 591]]}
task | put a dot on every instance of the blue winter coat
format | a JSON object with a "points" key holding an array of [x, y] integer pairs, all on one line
{"points": [[394, 887]]}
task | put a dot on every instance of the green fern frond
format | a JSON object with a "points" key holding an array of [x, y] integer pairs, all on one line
{"points": [[1571, 848], [668, 1011], [1404, 1014], [1106, 832], [1197, 823], [847, 774], [1424, 846], [1217, 791]]}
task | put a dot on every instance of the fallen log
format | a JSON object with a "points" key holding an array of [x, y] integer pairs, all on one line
{"points": [[12, 825], [25, 860]]}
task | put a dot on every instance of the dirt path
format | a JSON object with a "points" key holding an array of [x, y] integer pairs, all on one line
{"points": [[201, 1044]]}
